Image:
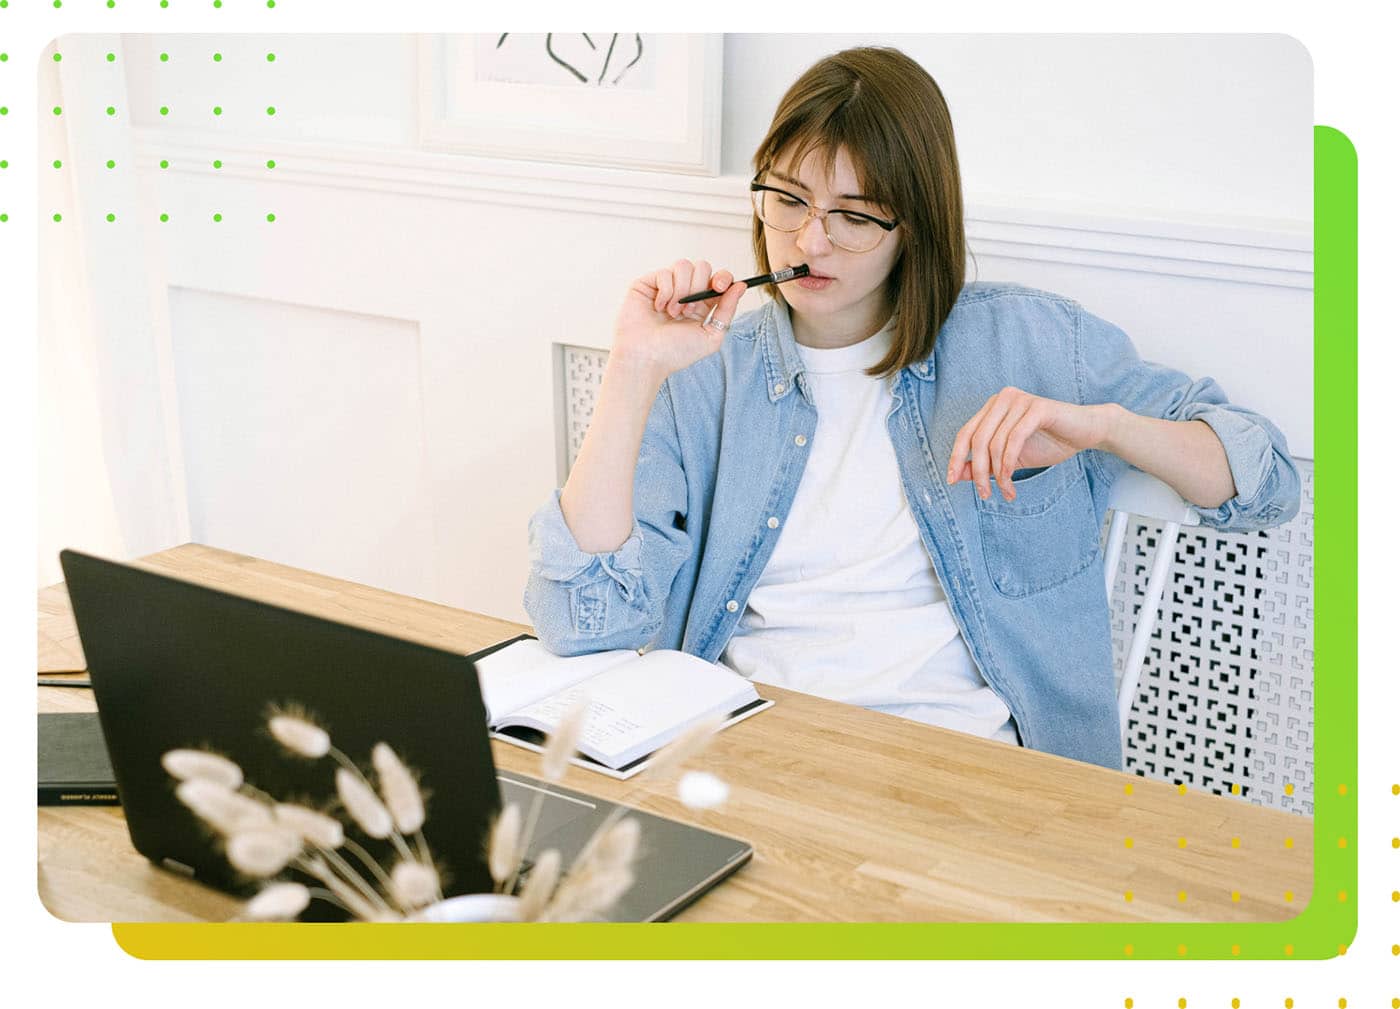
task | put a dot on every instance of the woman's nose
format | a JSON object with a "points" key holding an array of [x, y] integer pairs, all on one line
{"points": [[811, 237]]}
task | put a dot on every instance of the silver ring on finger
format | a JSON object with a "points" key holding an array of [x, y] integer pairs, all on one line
{"points": [[716, 324]]}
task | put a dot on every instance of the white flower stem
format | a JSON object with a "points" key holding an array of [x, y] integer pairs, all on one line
{"points": [[525, 839], [320, 893], [354, 878], [370, 864], [351, 901]]}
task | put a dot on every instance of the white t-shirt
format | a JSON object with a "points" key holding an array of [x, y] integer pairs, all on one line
{"points": [[849, 606]]}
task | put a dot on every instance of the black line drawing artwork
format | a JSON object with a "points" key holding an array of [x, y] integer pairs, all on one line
{"points": [[607, 59]]}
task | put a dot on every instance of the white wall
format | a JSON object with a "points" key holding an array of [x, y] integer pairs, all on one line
{"points": [[1184, 127], [365, 387]]}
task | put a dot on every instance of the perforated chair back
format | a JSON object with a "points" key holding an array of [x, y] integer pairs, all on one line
{"points": [[1137, 493]]}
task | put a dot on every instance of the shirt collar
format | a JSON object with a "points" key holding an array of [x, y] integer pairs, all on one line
{"points": [[783, 363]]}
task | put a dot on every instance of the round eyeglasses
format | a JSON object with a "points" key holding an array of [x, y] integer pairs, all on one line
{"points": [[846, 229]]}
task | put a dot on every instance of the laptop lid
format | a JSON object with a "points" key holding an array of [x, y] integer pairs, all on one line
{"points": [[177, 665]]}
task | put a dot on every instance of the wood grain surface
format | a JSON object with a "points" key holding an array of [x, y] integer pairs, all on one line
{"points": [[854, 815]]}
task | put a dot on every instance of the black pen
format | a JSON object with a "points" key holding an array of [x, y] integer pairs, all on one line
{"points": [[791, 273]]}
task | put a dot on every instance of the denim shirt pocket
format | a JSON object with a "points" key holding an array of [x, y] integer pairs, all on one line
{"points": [[1044, 536]]}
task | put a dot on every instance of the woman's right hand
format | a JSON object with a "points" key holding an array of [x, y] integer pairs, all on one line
{"points": [[658, 334]]}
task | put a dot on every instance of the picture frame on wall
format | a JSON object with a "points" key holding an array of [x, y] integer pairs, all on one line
{"points": [[624, 100]]}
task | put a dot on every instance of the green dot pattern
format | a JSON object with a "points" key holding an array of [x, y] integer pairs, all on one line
{"points": [[4, 111], [4, 57], [111, 110], [111, 4], [4, 164], [165, 3], [4, 218]]}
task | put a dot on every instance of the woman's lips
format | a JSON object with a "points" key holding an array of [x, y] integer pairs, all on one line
{"points": [[815, 283]]}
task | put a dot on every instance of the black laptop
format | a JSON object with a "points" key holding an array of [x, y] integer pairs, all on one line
{"points": [[177, 665]]}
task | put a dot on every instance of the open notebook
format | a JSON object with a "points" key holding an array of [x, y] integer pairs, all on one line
{"points": [[636, 703]]}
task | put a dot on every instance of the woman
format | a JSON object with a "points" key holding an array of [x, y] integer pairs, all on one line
{"points": [[886, 486]]}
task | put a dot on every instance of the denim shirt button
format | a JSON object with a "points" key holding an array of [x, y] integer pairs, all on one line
{"points": [[801, 439], [778, 389], [772, 521], [731, 606]]}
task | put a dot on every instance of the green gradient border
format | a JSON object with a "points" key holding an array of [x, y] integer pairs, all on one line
{"points": [[1317, 933]]}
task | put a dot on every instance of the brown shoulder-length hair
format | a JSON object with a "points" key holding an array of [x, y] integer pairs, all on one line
{"points": [[890, 116]]}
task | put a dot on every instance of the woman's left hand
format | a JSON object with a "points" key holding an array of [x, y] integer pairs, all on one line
{"points": [[1017, 430]]}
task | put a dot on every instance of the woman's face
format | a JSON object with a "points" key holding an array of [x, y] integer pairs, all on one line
{"points": [[855, 294]]}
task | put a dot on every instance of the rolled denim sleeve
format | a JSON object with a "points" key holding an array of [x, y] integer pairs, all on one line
{"points": [[1266, 479], [585, 602]]}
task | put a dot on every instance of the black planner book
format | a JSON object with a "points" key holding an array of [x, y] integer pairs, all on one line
{"points": [[74, 769]]}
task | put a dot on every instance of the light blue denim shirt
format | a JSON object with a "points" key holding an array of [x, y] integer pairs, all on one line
{"points": [[724, 450]]}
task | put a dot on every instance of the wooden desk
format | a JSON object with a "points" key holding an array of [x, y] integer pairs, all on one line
{"points": [[854, 815]]}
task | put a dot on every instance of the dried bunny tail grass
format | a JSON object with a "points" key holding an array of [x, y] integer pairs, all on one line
{"points": [[701, 790], [263, 851], [302, 737], [685, 746], [315, 828], [503, 854], [539, 887], [187, 765], [278, 902], [362, 804], [601, 874], [226, 811], [618, 847], [560, 746], [588, 895], [400, 789], [414, 885]]}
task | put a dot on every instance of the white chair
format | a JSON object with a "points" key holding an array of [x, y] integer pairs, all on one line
{"points": [[1137, 493]]}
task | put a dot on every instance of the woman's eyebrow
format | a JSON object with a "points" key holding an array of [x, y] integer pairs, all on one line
{"points": [[793, 182]]}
